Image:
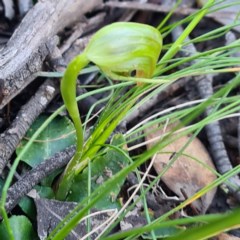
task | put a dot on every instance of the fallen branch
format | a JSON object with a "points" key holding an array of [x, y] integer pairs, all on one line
{"points": [[10, 139], [33, 177], [183, 10], [25, 52], [28, 113]]}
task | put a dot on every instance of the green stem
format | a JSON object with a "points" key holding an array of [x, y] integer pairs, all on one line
{"points": [[223, 223], [68, 91]]}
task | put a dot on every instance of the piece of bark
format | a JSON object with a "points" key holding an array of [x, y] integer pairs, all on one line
{"points": [[24, 6], [28, 113], [149, 7], [8, 9], [82, 28], [25, 52], [74, 46], [164, 8], [50, 213], [77, 47]]}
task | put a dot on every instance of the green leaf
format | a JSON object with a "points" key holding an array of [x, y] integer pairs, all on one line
{"points": [[102, 168], [21, 227], [57, 136], [45, 192], [27, 205]]}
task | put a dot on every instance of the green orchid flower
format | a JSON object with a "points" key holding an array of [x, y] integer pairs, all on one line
{"points": [[117, 49]]}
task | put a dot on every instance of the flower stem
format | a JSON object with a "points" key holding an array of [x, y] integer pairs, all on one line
{"points": [[68, 91]]}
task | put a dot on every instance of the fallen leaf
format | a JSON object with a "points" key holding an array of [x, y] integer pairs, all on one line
{"points": [[58, 135], [52, 212], [225, 236], [186, 176]]}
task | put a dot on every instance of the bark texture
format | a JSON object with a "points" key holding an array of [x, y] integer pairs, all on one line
{"points": [[33, 177], [25, 52], [26, 116]]}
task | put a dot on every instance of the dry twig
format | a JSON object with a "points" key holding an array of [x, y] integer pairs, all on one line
{"points": [[25, 52]]}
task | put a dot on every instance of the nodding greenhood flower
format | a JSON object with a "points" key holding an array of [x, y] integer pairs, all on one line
{"points": [[124, 47], [118, 48]]}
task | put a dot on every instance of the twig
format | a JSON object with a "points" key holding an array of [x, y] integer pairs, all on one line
{"points": [[148, 7], [29, 112], [24, 6], [32, 42], [183, 10], [80, 29], [33, 177]]}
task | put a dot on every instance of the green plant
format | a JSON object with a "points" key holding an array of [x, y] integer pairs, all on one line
{"points": [[123, 101], [117, 49]]}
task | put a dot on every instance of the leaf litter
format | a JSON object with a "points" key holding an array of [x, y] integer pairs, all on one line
{"points": [[190, 172]]}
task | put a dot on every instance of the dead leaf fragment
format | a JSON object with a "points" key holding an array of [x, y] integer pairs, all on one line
{"points": [[51, 212], [225, 236], [186, 176]]}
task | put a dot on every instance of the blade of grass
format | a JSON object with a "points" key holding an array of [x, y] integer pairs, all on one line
{"points": [[31, 140], [176, 46]]}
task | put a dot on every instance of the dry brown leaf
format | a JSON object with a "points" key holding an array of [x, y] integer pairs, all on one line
{"points": [[224, 236], [186, 176]]}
